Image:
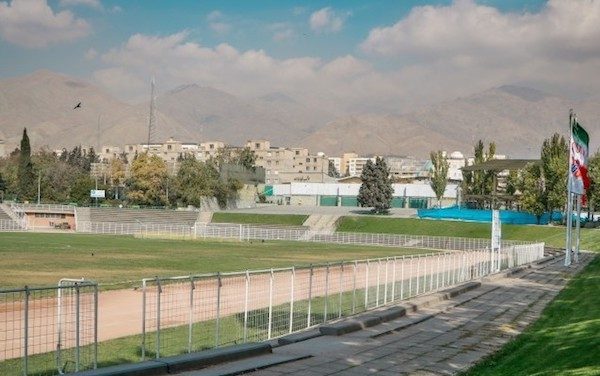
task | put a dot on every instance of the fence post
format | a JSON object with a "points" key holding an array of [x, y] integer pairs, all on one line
{"points": [[143, 320], [378, 283], [410, 277], [385, 288], [402, 280], [95, 326], [341, 287], [77, 327], [218, 318], [310, 279], [418, 273], [158, 292], [326, 305], [429, 259], [367, 286], [270, 305], [26, 332], [394, 281], [354, 287], [246, 306], [292, 300], [190, 329]]}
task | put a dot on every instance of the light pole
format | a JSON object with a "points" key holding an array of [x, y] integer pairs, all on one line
{"points": [[39, 186]]}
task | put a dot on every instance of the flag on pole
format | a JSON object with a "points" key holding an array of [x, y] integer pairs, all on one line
{"points": [[580, 180]]}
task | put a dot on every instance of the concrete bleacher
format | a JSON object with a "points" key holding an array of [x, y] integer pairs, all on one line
{"points": [[158, 216], [6, 221]]}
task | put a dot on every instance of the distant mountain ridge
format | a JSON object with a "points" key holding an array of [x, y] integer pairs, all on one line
{"points": [[516, 118]]}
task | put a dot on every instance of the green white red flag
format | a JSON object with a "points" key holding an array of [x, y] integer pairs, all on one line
{"points": [[580, 140]]}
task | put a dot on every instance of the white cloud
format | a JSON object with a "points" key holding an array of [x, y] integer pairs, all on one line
{"points": [[282, 31], [433, 54], [89, 3], [326, 20], [33, 24], [91, 54], [216, 22]]}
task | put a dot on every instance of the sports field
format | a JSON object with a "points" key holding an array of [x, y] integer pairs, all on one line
{"points": [[37, 259]]}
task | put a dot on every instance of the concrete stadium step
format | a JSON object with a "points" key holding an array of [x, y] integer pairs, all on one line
{"points": [[159, 216], [7, 216], [205, 217]]}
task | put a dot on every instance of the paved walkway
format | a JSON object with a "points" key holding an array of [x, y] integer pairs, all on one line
{"points": [[440, 339]]}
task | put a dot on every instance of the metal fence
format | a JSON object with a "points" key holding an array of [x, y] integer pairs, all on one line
{"points": [[254, 232], [9, 225], [192, 313], [49, 330]]}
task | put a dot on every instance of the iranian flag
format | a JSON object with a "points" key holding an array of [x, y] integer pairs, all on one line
{"points": [[580, 181]]}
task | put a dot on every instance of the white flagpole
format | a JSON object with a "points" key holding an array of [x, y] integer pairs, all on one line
{"points": [[569, 195], [578, 229]]}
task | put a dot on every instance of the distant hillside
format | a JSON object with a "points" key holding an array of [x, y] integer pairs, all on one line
{"points": [[44, 101], [518, 119]]}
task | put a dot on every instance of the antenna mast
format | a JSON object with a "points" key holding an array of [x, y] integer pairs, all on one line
{"points": [[152, 119]]}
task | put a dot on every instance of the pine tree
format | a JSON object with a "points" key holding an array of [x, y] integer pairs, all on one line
{"points": [[376, 190], [26, 179]]}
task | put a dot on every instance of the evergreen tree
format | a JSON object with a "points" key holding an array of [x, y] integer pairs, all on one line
{"points": [[533, 194], [26, 180], [439, 174], [376, 190], [555, 160]]}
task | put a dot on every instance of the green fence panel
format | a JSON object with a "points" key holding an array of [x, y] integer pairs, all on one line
{"points": [[349, 201], [328, 201], [417, 203], [398, 202]]}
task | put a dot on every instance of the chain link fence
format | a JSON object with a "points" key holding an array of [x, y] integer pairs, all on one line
{"points": [[49, 330]]}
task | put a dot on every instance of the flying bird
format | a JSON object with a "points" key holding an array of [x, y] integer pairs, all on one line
{"points": [[77, 106]]}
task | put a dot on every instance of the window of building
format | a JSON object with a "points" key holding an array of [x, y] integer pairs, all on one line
{"points": [[276, 163], [211, 146], [315, 160], [307, 168], [307, 160], [257, 145], [169, 147], [297, 152], [314, 168]]}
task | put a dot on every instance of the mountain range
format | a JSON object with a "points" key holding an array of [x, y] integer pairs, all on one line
{"points": [[517, 118]]}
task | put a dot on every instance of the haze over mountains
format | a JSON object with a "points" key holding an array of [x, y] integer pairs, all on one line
{"points": [[518, 119]]}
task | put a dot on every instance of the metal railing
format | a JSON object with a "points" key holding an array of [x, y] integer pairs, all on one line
{"points": [[9, 225], [254, 232], [49, 330], [192, 313]]}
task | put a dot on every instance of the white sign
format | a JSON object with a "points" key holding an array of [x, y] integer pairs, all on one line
{"points": [[97, 193], [496, 229]]}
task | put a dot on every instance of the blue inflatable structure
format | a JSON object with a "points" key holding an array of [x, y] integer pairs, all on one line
{"points": [[456, 213]]}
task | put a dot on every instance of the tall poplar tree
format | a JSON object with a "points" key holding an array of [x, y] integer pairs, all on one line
{"points": [[439, 174], [26, 180]]}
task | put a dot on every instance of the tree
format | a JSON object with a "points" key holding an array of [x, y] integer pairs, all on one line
{"points": [[439, 174], [116, 175], [480, 183], [26, 178], [593, 193], [376, 190], [145, 185], [195, 180], [555, 160], [533, 195], [332, 171]]}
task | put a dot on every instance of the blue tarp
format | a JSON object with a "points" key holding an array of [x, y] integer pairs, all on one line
{"points": [[477, 215]]}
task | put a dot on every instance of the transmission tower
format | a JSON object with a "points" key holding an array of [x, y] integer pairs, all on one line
{"points": [[152, 118]]}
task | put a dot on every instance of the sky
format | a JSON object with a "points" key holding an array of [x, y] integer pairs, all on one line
{"points": [[351, 56]]}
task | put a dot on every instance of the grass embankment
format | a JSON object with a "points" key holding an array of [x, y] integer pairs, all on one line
{"points": [[552, 235], [564, 341], [260, 219], [36, 259]]}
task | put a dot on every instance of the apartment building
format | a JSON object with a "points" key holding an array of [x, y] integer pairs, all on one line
{"points": [[286, 165]]}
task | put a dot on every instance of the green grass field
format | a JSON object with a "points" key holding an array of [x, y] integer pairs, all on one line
{"points": [[260, 219], [40, 259]]}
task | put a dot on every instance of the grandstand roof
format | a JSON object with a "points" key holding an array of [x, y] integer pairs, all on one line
{"points": [[501, 165]]}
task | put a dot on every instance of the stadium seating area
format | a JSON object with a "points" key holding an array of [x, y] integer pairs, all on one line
{"points": [[123, 215]]}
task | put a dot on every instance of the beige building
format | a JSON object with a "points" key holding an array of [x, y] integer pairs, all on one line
{"points": [[286, 165], [350, 164]]}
